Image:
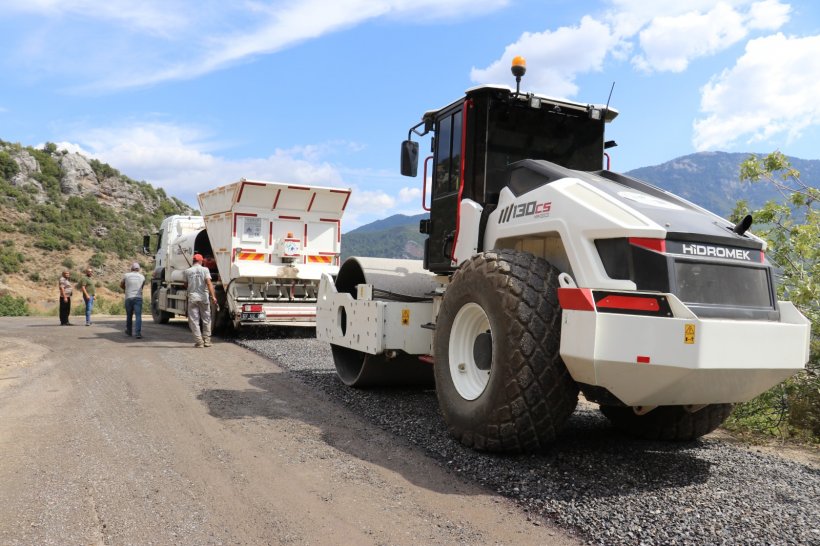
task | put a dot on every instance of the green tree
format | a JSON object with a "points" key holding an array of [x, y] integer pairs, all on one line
{"points": [[791, 229]]}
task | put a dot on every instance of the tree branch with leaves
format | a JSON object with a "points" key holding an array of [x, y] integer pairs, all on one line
{"points": [[791, 229]]}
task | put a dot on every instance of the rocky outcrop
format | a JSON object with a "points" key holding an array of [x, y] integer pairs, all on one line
{"points": [[77, 177]]}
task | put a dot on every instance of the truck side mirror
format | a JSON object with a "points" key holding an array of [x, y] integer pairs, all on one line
{"points": [[409, 158], [146, 244]]}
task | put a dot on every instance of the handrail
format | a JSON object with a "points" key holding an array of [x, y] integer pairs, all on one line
{"points": [[424, 186]]}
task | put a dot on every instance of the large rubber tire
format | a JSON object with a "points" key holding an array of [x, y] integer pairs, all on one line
{"points": [[670, 423], [160, 317], [221, 321], [528, 394]]}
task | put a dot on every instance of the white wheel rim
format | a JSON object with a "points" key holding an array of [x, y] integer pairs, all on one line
{"points": [[470, 322]]}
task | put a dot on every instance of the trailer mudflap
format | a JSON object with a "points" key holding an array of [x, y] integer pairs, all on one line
{"points": [[683, 360]]}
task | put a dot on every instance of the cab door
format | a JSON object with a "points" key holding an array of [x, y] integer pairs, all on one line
{"points": [[445, 191]]}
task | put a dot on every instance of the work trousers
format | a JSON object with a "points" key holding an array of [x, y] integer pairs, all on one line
{"points": [[200, 310], [65, 310]]}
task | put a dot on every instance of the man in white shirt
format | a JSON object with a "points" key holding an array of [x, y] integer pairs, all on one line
{"points": [[132, 282], [199, 286]]}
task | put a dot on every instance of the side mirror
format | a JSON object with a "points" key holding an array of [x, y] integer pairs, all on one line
{"points": [[409, 158]]}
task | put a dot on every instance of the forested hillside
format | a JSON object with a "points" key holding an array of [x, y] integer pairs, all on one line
{"points": [[61, 210], [394, 237]]}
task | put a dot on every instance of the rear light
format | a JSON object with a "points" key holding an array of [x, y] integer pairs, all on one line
{"points": [[632, 303], [252, 308], [658, 245], [584, 299]]}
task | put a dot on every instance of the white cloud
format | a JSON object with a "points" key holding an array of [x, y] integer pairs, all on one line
{"points": [[154, 16], [770, 92], [768, 15], [154, 41], [408, 195], [663, 35], [181, 160], [554, 58], [184, 161], [671, 42]]}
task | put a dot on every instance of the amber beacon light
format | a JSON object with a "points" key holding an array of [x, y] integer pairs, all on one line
{"points": [[519, 68]]}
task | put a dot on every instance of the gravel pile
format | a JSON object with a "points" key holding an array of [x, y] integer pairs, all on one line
{"points": [[611, 489]]}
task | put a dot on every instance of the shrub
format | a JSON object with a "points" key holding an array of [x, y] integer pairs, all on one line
{"points": [[10, 259], [8, 166], [97, 260], [13, 307], [103, 170], [68, 263], [34, 277], [51, 242]]}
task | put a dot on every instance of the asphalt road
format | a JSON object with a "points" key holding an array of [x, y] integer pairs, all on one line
{"points": [[105, 439]]}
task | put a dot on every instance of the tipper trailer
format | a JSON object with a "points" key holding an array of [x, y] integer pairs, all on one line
{"points": [[266, 244], [545, 274]]}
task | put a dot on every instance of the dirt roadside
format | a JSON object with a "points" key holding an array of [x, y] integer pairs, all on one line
{"points": [[111, 440]]}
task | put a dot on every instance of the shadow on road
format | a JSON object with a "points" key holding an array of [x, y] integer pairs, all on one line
{"points": [[589, 459]]}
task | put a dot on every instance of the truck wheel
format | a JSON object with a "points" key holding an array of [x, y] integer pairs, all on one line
{"points": [[672, 423], [221, 323], [160, 317], [500, 380]]}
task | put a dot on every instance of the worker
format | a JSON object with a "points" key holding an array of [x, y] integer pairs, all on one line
{"points": [[65, 298], [199, 286], [132, 283], [86, 286]]}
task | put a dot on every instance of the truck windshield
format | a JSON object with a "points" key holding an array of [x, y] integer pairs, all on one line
{"points": [[517, 131]]}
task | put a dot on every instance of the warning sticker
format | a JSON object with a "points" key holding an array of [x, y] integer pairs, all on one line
{"points": [[689, 333], [405, 317]]}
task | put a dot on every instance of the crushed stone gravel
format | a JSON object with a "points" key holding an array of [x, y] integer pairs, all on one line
{"points": [[607, 487]]}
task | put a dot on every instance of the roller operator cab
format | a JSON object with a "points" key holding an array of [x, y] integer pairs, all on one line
{"points": [[545, 273]]}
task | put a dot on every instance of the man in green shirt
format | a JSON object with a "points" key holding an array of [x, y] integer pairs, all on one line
{"points": [[86, 286]]}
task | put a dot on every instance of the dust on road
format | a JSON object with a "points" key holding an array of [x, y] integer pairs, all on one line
{"points": [[110, 440]]}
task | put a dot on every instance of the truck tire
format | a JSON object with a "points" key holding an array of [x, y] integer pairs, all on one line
{"points": [[670, 423], [160, 317], [500, 380], [221, 322]]}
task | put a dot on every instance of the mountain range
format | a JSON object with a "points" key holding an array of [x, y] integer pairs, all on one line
{"points": [[708, 179]]}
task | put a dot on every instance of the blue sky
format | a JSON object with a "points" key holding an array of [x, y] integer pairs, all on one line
{"points": [[192, 94]]}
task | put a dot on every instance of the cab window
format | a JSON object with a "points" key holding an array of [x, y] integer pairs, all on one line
{"points": [[448, 155]]}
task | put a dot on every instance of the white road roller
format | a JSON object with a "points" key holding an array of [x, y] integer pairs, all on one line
{"points": [[266, 244], [545, 274]]}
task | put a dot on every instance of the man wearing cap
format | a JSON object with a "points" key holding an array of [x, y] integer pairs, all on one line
{"points": [[132, 282], [199, 286]]}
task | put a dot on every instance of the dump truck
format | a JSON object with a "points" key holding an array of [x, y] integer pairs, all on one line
{"points": [[266, 245], [546, 274]]}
